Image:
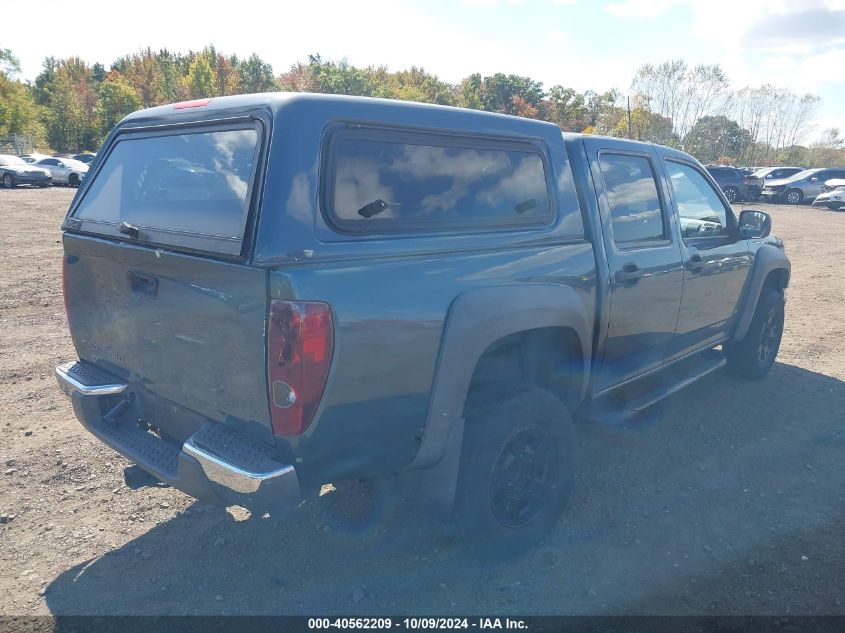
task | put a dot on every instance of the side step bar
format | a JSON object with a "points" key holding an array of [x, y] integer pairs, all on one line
{"points": [[621, 404]]}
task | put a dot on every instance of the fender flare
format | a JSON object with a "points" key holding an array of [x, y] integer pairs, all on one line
{"points": [[767, 259], [477, 319]]}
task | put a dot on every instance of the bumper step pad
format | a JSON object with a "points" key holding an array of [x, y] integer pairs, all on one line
{"points": [[216, 464]]}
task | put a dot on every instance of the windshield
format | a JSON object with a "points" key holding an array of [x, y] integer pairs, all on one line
{"points": [[11, 160]]}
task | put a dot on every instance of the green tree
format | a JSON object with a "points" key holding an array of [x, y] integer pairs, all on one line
{"points": [[98, 73], [416, 84], [200, 78], [498, 93], [44, 81], [256, 75], [10, 66], [71, 116], [567, 108], [117, 99], [717, 137], [19, 112], [645, 126], [469, 92], [341, 78]]}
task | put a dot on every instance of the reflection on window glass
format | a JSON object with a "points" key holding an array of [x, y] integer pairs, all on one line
{"points": [[187, 182], [378, 182], [635, 213], [699, 206]]}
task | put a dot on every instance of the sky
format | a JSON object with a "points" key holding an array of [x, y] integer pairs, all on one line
{"points": [[584, 44]]}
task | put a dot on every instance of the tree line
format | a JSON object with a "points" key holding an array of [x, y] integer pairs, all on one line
{"points": [[72, 105]]}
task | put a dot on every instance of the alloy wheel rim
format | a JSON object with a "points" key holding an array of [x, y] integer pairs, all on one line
{"points": [[523, 477], [768, 338]]}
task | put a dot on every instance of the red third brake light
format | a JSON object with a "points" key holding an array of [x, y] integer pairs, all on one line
{"points": [[196, 103], [300, 341]]}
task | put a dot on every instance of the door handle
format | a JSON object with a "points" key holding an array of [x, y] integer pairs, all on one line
{"points": [[142, 284], [629, 274], [696, 264]]}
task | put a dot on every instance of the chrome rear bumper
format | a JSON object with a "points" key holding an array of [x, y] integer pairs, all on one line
{"points": [[87, 380], [216, 464]]}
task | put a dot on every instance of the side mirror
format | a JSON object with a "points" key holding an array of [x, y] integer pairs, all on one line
{"points": [[813, 179], [754, 224]]}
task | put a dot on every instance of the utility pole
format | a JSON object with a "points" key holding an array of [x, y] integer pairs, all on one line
{"points": [[629, 118]]}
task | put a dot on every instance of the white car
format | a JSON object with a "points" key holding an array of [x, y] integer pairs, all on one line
{"points": [[14, 171], [832, 195], [33, 158], [65, 171]]}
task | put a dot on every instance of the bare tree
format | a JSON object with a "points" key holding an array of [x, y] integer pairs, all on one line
{"points": [[828, 150], [775, 118], [680, 93]]}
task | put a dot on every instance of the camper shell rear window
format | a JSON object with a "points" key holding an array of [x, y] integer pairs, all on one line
{"points": [[184, 186]]}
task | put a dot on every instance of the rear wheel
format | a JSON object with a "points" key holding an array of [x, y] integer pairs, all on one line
{"points": [[516, 470], [8, 181], [732, 194], [794, 196], [753, 356]]}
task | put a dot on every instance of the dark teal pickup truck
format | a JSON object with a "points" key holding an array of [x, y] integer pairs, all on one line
{"points": [[272, 292]]}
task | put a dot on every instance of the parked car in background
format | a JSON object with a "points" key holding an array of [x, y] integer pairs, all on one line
{"points": [[85, 157], [65, 171], [16, 171], [760, 177], [732, 181], [801, 187], [33, 158], [832, 195]]}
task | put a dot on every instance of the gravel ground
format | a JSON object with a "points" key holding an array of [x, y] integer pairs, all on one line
{"points": [[729, 499]]}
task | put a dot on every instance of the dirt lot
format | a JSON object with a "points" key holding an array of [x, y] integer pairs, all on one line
{"points": [[731, 500]]}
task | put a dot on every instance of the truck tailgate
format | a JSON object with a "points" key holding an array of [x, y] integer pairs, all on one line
{"points": [[189, 329]]}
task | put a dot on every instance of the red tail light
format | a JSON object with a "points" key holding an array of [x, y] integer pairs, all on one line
{"points": [[299, 353]]}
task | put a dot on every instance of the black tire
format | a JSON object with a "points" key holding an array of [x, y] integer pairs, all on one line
{"points": [[517, 469], [732, 194], [9, 181], [360, 510], [73, 180], [753, 356], [794, 196]]}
